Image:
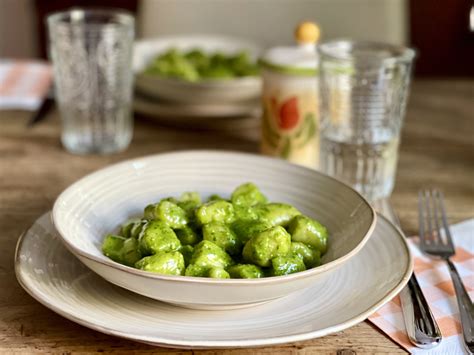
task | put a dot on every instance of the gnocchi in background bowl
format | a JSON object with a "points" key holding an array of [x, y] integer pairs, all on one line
{"points": [[182, 250], [160, 77]]}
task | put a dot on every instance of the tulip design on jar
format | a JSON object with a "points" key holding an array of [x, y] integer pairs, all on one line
{"points": [[286, 127]]}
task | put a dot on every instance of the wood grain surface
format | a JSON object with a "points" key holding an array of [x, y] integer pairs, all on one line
{"points": [[437, 149]]}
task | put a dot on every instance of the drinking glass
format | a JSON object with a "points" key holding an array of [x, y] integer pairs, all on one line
{"points": [[91, 52], [364, 89]]}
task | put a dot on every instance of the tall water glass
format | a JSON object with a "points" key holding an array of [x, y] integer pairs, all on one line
{"points": [[364, 89], [91, 52]]}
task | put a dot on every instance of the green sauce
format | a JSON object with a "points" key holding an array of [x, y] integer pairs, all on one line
{"points": [[243, 237], [197, 65]]}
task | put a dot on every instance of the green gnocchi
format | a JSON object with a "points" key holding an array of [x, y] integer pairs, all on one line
{"points": [[242, 237]]}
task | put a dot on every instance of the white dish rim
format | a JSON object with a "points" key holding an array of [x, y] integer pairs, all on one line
{"points": [[203, 84]]}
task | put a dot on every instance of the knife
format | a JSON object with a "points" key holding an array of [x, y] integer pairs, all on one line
{"points": [[44, 108], [420, 324]]}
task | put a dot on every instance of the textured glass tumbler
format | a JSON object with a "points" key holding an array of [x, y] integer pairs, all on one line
{"points": [[364, 89], [91, 52]]}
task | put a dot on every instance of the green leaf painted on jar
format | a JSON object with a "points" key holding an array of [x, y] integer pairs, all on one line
{"points": [[286, 150], [270, 136], [302, 129], [310, 129]]}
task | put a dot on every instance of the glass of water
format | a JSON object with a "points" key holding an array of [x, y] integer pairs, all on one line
{"points": [[364, 89], [91, 52]]}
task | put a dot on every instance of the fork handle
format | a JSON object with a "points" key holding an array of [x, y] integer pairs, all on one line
{"points": [[421, 326], [466, 307]]}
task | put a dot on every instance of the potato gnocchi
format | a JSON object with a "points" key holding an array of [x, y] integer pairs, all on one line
{"points": [[242, 237]]}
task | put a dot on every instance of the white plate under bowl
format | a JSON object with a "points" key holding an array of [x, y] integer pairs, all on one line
{"points": [[172, 112], [203, 92], [49, 273], [98, 203]]}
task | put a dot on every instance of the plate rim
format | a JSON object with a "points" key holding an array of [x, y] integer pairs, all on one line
{"points": [[201, 280], [216, 344], [193, 113], [245, 81]]}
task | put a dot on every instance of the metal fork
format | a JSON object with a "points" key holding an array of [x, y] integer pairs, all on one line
{"points": [[436, 240]]}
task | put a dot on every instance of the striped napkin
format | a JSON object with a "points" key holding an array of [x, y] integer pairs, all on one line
{"points": [[23, 84], [438, 289]]}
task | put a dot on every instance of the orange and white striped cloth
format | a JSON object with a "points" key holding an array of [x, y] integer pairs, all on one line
{"points": [[438, 289], [23, 84]]}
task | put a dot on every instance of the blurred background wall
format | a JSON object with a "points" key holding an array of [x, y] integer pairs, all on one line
{"points": [[441, 31], [18, 29], [269, 22]]}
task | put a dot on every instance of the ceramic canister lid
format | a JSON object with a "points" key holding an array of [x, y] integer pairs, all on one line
{"points": [[301, 59]]}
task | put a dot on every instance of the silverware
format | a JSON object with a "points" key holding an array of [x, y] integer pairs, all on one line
{"points": [[420, 324], [436, 240], [44, 108]]}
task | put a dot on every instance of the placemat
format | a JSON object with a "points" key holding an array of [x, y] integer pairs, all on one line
{"points": [[23, 84]]}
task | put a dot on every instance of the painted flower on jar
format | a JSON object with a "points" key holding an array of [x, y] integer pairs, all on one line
{"points": [[287, 114], [285, 128]]}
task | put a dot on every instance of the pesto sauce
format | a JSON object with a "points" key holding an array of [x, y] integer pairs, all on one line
{"points": [[244, 237]]}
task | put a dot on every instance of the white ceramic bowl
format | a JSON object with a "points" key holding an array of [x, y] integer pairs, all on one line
{"points": [[99, 202], [205, 92]]}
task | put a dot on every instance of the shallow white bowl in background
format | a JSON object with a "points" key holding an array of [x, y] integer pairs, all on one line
{"points": [[204, 92], [98, 203]]}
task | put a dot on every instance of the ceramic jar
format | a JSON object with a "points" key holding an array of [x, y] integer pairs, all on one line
{"points": [[290, 100]]}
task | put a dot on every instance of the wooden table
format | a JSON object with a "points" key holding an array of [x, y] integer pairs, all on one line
{"points": [[437, 149]]}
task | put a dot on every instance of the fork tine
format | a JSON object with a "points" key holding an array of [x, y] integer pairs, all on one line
{"points": [[438, 236], [421, 219], [429, 217], [444, 219]]}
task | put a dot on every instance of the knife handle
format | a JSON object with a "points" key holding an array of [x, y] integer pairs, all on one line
{"points": [[40, 114], [421, 326], [466, 307]]}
